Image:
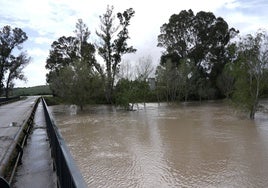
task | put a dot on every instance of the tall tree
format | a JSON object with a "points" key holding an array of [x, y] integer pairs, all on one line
{"points": [[250, 70], [86, 50], [15, 71], [63, 53], [66, 50], [178, 36], [11, 40], [73, 68], [200, 38], [112, 48]]}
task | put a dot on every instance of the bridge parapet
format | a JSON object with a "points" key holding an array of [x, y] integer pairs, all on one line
{"points": [[67, 172]]}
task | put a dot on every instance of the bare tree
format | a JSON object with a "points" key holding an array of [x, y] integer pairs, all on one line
{"points": [[144, 68], [126, 70]]}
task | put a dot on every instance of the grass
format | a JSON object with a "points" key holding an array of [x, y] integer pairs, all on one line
{"points": [[31, 91], [52, 100]]}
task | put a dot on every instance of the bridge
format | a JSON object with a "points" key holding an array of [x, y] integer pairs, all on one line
{"points": [[32, 151]]}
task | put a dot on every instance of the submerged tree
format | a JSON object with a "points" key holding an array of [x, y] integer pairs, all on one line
{"points": [[167, 79], [186, 74], [76, 84], [112, 48], [250, 71], [132, 85], [74, 72], [201, 39], [128, 92], [10, 41]]}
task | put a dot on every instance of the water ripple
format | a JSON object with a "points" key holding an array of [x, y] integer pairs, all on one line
{"points": [[189, 145]]}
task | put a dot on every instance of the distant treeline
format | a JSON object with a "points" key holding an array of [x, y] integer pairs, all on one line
{"points": [[30, 91], [202, 59]]}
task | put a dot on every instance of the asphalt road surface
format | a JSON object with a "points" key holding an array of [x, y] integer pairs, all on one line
{"points": [[12, 117]]}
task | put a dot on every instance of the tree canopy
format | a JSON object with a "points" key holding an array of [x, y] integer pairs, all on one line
{"points": [[111, 48], [73, 68], [12, 63], [201, 39], [250, 70], [200, 61]]}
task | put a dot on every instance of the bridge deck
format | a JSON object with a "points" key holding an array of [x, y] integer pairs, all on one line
{"points": [[36, 169], [12, 117]]}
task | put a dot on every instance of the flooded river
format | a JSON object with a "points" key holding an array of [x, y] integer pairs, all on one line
{"points": [[186, 145]]}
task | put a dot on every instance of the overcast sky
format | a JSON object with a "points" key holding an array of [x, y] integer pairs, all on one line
{"points": [[45, 21]]}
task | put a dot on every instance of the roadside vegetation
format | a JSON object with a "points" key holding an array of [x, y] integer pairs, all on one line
{"points": [[203, 59], [12, 59], [31, 91]]}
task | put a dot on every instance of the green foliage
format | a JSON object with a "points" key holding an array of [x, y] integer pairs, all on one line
{"points": [[129, 92], [241, 96], [63, 52], [225, 82], [66, 50], [265, 86], [11, 65], [112, 49], [179, 81], [250, 71], [77, 84], [31, 91], [167, 80], [50, 100], [74, 73], [201, 39]]}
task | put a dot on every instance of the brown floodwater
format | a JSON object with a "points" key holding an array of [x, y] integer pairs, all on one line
{"points": [[196, 144]]}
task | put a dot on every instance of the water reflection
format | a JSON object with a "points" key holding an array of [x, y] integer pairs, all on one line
{"points": [[187, 145]]}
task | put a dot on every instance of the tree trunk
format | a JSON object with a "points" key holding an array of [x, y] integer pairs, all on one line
{"points": [[108, 91], [81, 107], [185, 96], [7, 87], [255, 105], [7, 92], [109, 94], [253, 110], [1, 78], [252, 113]]}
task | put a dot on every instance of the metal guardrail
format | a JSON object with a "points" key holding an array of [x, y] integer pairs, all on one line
{"points": [[8, 100], [68, 174]]}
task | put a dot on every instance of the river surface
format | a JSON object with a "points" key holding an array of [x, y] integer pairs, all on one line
{"points": [[186, 145]]}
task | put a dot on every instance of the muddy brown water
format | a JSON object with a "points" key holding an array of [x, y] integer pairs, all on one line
{"points": [[186, 145]]}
